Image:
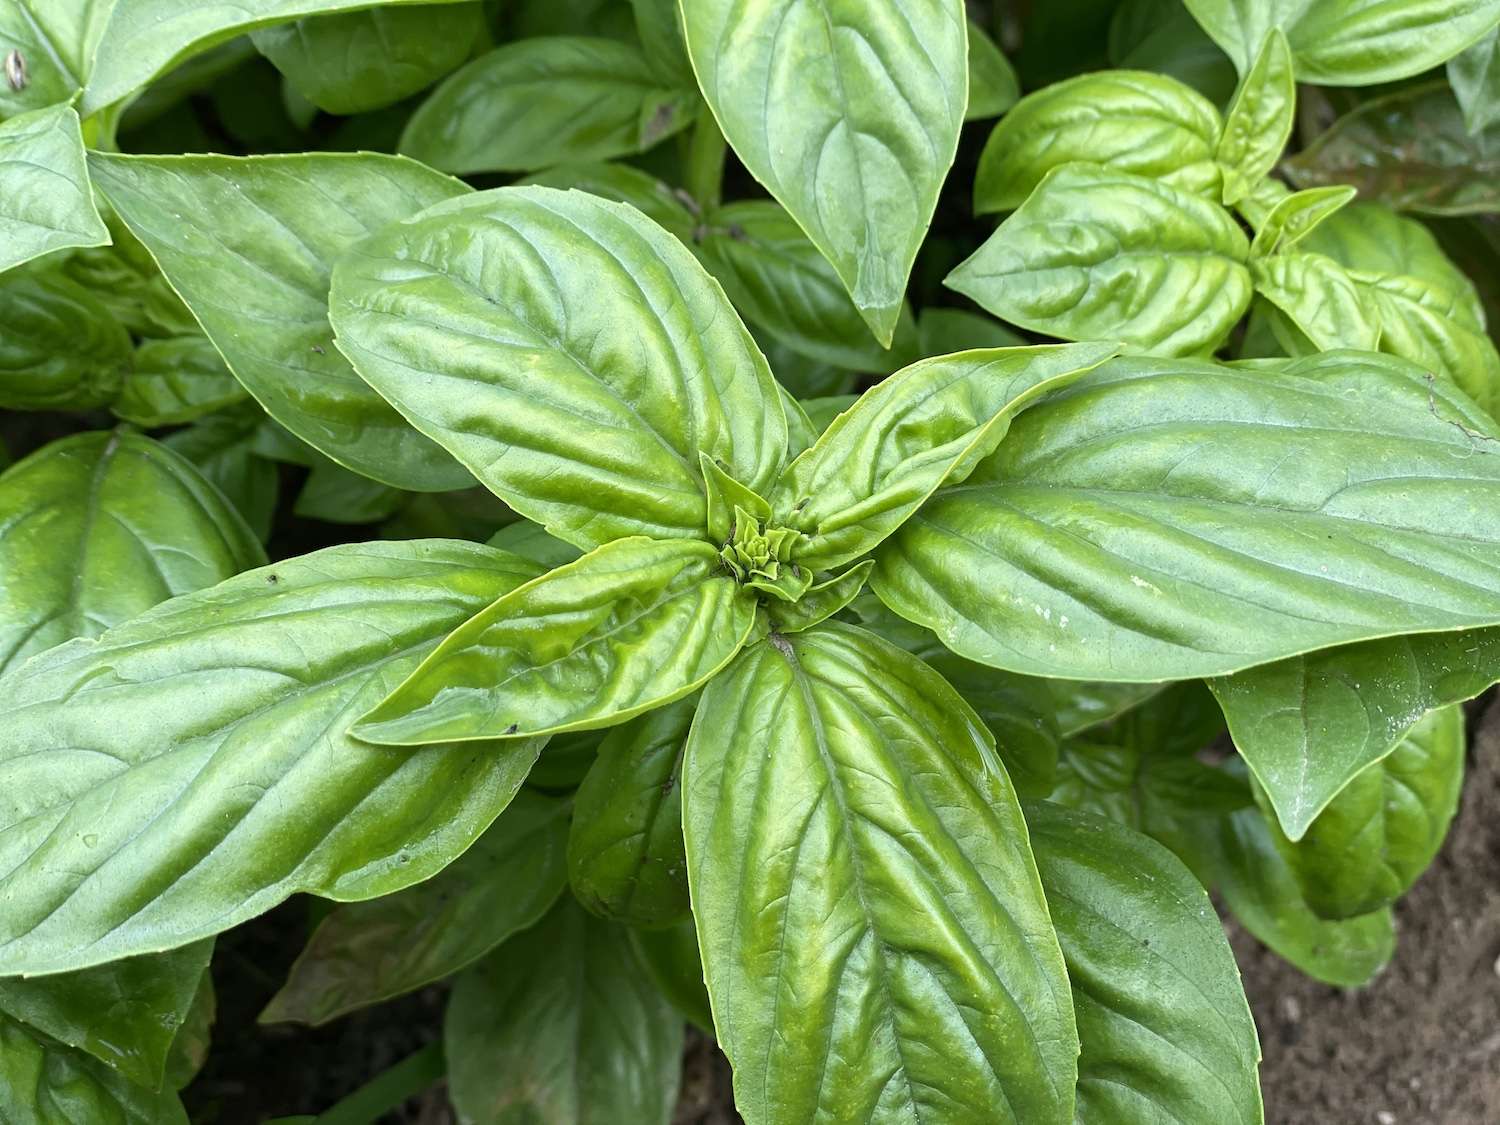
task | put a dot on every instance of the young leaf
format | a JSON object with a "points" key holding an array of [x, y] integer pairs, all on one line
{"points": [[1260, 118], [1127, 120], [47, 204], [561, 1026], [145, 38], [1366, 849], [1164, 1029], [820, 602], [1474, 74], [60, 349], [1294, 216], [1096, 253], [176, 381], [125, 1014], [850, 117], [630, 626], [366, 952], [250, 243], [539, 102], [779, 282], [572, 354], [1170, 519], [929, 423], [625, 858], [1308, 726], [99, 527], [1318, 296], [219, 777], [993, 85], [358, 61], [1348, 42], [873, 930]]}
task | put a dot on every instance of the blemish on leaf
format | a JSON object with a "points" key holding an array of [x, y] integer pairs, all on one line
{"points": [[512, 728], [15, 71]]}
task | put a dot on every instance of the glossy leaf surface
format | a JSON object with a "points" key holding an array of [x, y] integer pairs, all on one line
{"points": [[1319, 297], [169, 813], [873, 931], [849, 113], [46, 204], [1260, 118], [57, 41], [249, 243]]}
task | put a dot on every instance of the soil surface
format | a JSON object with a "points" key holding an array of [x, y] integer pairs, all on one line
{"points": [[1421, 1044]]}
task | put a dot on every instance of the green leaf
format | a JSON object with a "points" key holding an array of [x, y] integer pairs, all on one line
{"points": [[1349, 42], [60, 349], [1262, 893], [658, 25], [1096, 253], [779, 282], [820, 602], [530, 541], [1165, 1031], [125, 1014], [366, 952], [625, 858], [873, 930], [666, 206], [1319, 297], [1161, 35], [358, 61], [192, 768], [1366, 849], [99, 527], [1427, 309], [849, 117], [1127, 120], [189, 1051], [1411, 150], [993, 85], [43, 1081], [1260, 119], [572, 354], [146, 38], [561, 1026], [249, 243], [222, 446], [1307, 726], [562, 98], [671, 957], [47, 204], [56, 40], [337, 495], [1294, 216], [1167, 519], [943, 331], [929, 423], [1474, 75], [124, 278], [633, 625], [175, 381]]}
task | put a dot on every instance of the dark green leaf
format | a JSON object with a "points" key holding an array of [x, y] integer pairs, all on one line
{"points": [[60, 349], [339, 495], [993, 86], [176, 381], [531, 541], [941, 331], [222, 446], [190, 1048], [671, 957]]}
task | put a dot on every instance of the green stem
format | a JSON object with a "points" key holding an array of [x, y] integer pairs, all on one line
{"points": [[705, 162], [389, 1089]]}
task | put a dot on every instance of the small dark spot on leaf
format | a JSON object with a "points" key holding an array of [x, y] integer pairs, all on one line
{"points": [[737, 232], [660, 124], [319, 349], [802, 504], [512, 728], [668, 785], [796, 571], [272, 579]]}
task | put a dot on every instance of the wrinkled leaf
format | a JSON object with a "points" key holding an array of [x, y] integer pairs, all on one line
{"points": [[176, 381], [1294, 216], [60, 349], [1318, 296], [1260, 119]]}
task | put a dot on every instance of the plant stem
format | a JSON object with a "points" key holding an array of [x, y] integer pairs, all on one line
{"points": [[705, 162]]}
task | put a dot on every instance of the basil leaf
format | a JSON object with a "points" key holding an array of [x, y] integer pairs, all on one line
{"points": [[943, 331], [530, 541], [820, 602], [366, 952], [1259, 121], [1165, 1031], [1412, 150], [189, 1050], [1366, 849], [671, 957], [1161, 36], [1319, 297], [578, 364], [780, 283], [993, 85], [227, 717], [664, 205], [60, 349], [1126, 120], [42, 1080], [1427, 309], [1294, 216], [633, 625], [56, 42], [333, 493], [1348, 42], [658, 25], [222, 447], [354, 62], [1309, 725], [1262, 894], [873, 930], [560, 1024], [145, 38], [125, 1014], [250, 242], [625, 858], [176, 381], [99, 527], [559, 99], [1340, 503], [47, 204], [849, 118], [929, 423], [1098, 253], [1474, 74]]}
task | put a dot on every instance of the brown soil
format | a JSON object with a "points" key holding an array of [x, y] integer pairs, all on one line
{"points": [[1421, 1044]]}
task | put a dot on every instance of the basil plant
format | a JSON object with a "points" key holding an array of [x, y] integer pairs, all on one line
{"points": [[538, 504]]}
